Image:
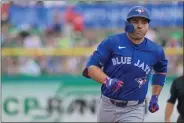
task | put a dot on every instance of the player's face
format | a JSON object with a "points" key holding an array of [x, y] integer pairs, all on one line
{"points": [[141, 27]]}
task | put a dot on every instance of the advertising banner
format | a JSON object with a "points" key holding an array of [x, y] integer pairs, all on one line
{"points": [[49, 102], [62, 99], [98, 15]]}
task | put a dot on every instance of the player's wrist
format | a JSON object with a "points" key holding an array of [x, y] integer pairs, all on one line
{"points": [[106, 80], [154, 97]]}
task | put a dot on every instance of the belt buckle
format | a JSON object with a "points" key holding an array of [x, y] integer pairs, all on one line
{"points": [[140, 101], [119, 104]]}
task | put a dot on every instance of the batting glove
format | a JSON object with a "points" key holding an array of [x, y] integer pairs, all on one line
{"points": [[113, 84], [153, 104]]}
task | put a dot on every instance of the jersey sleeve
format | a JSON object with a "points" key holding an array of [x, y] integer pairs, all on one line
{"points": [[100, 56], [173, 93], [160, 68], [161, 64]]}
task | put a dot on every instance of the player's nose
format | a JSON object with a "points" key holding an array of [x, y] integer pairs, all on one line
{"points": [[139, 25]]}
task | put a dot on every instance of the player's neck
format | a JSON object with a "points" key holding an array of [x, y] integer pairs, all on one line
{"points": [[134, 40]]}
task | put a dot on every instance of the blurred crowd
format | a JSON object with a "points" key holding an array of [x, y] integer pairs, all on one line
{"points": [[70, 34]]}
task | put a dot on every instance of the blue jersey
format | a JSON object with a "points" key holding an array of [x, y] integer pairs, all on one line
{"points": [[119, 58]]}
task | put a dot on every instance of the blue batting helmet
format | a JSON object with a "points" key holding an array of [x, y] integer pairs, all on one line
{"points": [[136, 11]]}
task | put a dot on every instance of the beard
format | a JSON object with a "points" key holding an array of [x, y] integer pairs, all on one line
{"points": [[138, 35]]}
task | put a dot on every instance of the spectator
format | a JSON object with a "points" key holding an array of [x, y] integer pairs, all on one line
{"points": [[41, 15], [10, 65], [152, 34], [5, 10], [27, 66], [32, 41]]}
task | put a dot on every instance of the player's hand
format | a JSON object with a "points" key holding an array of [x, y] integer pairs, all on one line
{"points": [[113, 84], [153, 104]]}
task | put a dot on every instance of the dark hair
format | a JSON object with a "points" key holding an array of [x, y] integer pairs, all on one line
{"points": [[24, 34]]}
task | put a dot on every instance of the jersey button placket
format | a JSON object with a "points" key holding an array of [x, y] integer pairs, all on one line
{"points": [[134, 55]]}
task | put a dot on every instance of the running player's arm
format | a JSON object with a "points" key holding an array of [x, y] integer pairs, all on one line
{"points": [[96, 74], [159, 76], [97, 60]]}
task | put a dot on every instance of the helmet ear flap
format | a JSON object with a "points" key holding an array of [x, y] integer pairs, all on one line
{"points": [[129, 27]]}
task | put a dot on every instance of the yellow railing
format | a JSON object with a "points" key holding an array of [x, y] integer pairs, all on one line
{"points": [[66, 52]]}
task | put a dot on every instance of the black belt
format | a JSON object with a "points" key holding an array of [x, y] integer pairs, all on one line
{"points": [[123, 103]]}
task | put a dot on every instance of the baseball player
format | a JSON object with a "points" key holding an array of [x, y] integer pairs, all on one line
{"points": [[122, 63], [176, 93]]}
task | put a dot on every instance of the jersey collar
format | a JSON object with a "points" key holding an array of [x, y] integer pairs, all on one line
{"points": [[136, 46]]}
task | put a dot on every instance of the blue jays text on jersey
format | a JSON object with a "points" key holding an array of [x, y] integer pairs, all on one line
{"points": [[128, 60], [120, 58]]}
